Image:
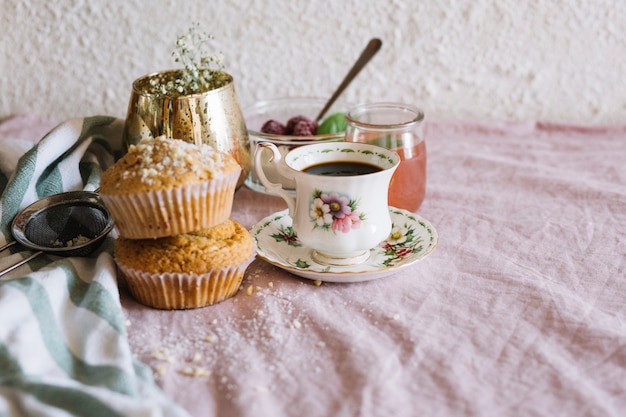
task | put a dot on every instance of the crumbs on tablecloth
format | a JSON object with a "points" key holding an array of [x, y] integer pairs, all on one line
{"points": [[211, 338], [198, 354], [196, 371], [163, 354]]}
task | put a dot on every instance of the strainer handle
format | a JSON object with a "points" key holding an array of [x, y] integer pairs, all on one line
{"points": [[20, 263], [8, 245]]}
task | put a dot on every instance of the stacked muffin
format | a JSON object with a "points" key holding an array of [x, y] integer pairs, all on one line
{"points": [[171, 202]]}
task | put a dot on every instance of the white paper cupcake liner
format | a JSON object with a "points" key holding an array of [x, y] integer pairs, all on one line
{"points": [[179, 210], [176, 291]]}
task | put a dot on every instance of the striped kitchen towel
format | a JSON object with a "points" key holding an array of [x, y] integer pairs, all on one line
{"points": [[63, 343]]}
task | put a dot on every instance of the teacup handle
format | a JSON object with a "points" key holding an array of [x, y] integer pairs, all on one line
{"points": [[270, 187]]}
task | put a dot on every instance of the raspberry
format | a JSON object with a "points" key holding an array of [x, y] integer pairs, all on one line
{"points": [[304, 128], [274, 127], [291, 124]]}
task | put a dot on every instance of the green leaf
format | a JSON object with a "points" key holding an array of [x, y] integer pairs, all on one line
{"points": [[302, 264], [335, 123]]}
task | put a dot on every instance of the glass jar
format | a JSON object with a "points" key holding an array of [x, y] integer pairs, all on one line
{"points": [[398, 127]]}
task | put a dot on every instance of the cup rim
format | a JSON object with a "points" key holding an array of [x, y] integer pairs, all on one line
{"points": [[383, 153], [415, 115]]}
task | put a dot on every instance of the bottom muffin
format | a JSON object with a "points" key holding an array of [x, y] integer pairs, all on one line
{"points": [[189, 270]]}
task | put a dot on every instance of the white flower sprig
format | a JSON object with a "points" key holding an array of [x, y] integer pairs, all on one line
{"points": [[201, 70]]}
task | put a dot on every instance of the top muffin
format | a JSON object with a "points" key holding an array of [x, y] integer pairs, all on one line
{"points": [[163, 163], [164, 187]]}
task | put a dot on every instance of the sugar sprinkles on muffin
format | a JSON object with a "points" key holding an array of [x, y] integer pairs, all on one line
{"points": [[162, 156]]}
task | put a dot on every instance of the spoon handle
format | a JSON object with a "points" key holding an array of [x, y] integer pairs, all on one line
{"points": [[370, 50]]}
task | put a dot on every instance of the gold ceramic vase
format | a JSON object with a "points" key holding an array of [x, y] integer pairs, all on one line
{"points": [[211, 117]]}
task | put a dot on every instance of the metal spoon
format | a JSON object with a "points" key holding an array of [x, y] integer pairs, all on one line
{"points": [[370, 50], [73, 223]]}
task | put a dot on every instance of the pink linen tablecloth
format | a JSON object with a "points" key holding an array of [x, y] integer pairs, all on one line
{"points": [[519, 311]]}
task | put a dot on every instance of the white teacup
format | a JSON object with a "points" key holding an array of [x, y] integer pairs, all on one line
{"points": [[341, 216]]}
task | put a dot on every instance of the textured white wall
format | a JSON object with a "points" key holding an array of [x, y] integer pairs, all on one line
{"points": [[560, 61]]}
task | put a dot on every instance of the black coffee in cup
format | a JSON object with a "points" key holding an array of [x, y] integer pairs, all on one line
{"points": [[342, 168]]}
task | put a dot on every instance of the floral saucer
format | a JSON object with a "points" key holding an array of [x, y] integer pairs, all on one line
{"points": [[411, 239]]}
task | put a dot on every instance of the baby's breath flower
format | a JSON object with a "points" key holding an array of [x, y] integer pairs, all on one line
{"points": [[201, 71]]}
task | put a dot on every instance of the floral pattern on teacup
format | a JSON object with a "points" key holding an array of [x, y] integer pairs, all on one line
{"points": [[335, 211]]}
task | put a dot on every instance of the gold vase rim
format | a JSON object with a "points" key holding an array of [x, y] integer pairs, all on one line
{"points": [[145, 77]]}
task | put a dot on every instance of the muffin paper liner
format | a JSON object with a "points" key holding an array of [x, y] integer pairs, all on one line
{"points": [[176, 291], [175, 211]]}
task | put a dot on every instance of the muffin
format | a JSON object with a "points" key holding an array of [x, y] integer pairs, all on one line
{"points": [[163, 187], [189, 270]]}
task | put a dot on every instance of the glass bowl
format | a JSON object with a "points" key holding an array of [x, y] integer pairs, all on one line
{"points": [[282, 109]]}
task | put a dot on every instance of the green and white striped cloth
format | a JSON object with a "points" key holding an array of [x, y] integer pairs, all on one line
{"points": [[63, 343]]}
